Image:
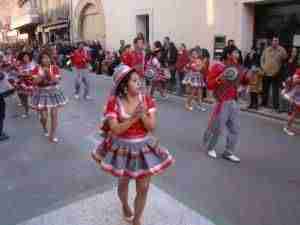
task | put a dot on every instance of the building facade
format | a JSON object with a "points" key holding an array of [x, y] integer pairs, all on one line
{"points": [[55, 21], [26, 18], [208, 23], [7, 9]]}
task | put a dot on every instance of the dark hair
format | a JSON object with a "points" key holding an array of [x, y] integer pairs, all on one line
{"points": [[197, 50], [229, 52], [120, 91], [230, 40], [135, 41], [22, 54], [157, 44], [42, 54], [127, 47], [183, 45]]}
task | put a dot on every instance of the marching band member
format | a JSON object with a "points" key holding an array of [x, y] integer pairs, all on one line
{"points": [[224, 80]]}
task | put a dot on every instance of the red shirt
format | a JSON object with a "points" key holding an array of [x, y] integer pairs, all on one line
{"points": [[54, 73], [216, 71], [126, 58], [182, 60], [80, 59], [138, 62]]}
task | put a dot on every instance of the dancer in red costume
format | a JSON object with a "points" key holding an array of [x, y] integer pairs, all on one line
{"points": [[128, 150], [292, 94], [224, 79]]}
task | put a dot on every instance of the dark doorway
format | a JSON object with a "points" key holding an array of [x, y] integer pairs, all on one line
{"points": [[142, 25]]}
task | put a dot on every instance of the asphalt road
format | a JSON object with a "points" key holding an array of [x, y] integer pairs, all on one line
{"points": [[37, 177]]}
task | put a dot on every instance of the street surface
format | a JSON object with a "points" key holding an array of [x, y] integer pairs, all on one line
{"points": [[48, 184]]}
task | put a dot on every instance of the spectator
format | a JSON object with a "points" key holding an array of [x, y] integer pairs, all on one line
{"points": [[271, 62], [182, 61], [252, 62], [171, 63], [100, 58], [138, 56], [126, 56], [122, 47], [231, 45]]}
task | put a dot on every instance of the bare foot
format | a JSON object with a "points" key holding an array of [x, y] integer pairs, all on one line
{"points": [[136, 222], [127, 212]]}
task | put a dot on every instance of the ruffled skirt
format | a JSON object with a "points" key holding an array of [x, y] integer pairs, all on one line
{"points": [[292, 96], [194, 80], [133, 158], [48, 97]]}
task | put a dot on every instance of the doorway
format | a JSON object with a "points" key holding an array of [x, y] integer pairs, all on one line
{"points": [[142, 25]]}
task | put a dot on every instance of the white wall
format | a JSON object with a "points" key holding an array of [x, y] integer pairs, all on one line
{"points": [[182, 20]]}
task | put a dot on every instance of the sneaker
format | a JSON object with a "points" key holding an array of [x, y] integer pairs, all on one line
{"points": [[88, 97], [24, 116], [76, 96], [212, 154], [164, 97], [288, 131], [4, 137], [231, 157], [201, 108]]}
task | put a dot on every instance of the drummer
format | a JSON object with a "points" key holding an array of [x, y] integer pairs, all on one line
{"points": [[224, 80]]}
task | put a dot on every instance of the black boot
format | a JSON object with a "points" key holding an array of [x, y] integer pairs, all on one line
{"points": [[251, 101], [255, 101]]}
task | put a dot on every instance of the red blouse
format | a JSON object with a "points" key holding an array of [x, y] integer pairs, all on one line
{"points": [[115, 109], [193, 66], [54, 73]]}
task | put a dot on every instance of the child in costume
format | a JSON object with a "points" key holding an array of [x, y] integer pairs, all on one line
{"points": [[194, 80], [292, 94]]}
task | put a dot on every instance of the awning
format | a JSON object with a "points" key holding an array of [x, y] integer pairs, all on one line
{"points": [[56, 25], [21, 21]]}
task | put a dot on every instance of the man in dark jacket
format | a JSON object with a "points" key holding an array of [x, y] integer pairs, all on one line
{"points": [[5, 91], [231, 45]]}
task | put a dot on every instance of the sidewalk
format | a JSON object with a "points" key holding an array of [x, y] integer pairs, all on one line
{"points": [[104, 209]]}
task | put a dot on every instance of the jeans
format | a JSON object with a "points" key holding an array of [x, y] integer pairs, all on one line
{"points": [[224, 116], [267, 82], [82, 77], [179, 85]]}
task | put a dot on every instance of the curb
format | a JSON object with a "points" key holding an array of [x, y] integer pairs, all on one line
{"points": [[277, 117]]}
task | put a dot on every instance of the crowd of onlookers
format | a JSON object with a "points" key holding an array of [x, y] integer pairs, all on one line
{"points": [[271, 65]]}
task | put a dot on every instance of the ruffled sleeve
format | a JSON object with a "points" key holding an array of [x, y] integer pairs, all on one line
{"points": [[111, 108]]}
